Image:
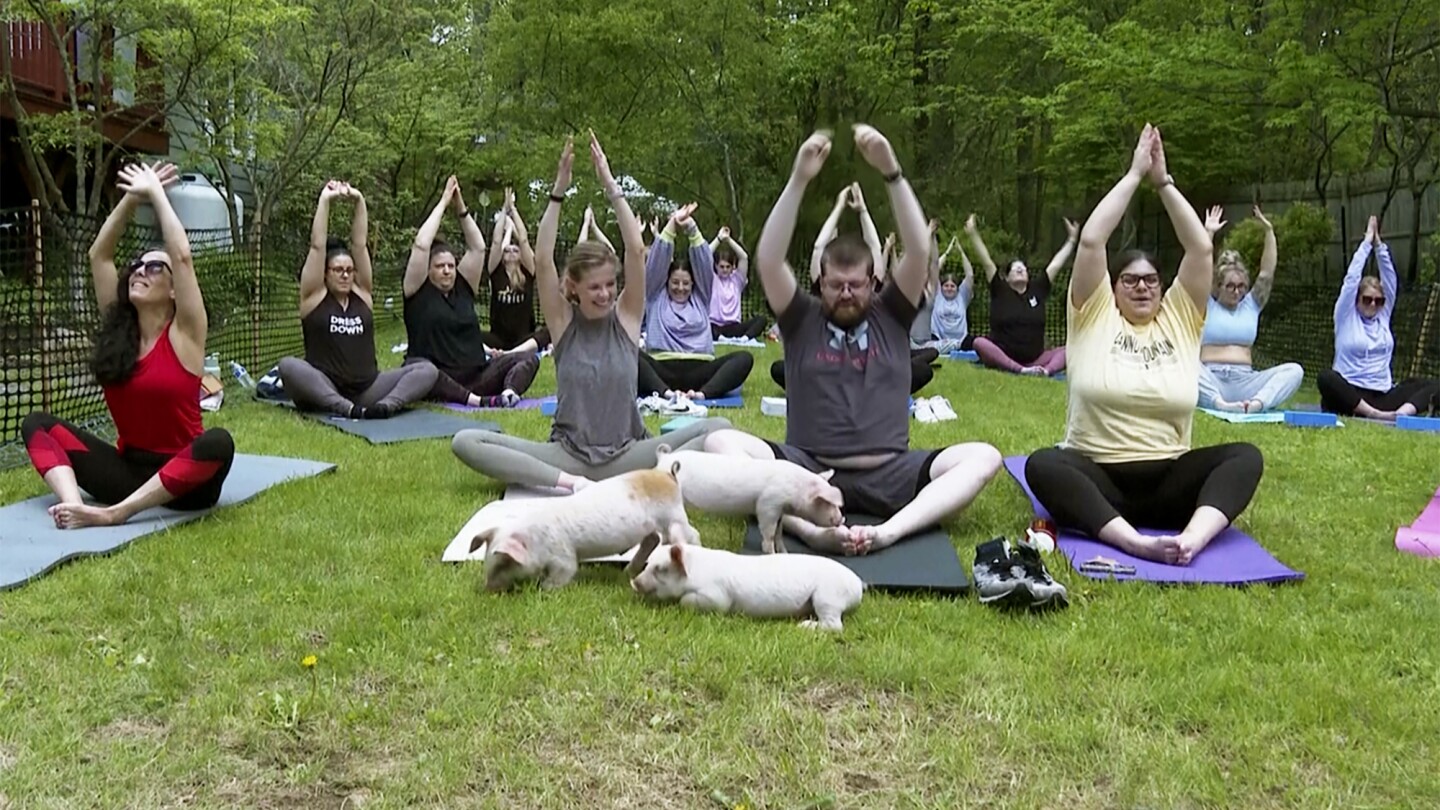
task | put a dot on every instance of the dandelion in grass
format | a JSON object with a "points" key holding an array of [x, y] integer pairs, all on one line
{"points": [[309, 662]]}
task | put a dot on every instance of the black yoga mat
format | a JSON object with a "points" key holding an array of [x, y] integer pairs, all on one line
{"points": [[921, 562]]}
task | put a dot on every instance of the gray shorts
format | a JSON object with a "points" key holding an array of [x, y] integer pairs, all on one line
{"points": [[881, 491]]}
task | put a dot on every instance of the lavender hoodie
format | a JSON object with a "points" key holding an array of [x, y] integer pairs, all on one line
{"points": [[672, 327], [1363, 346]]}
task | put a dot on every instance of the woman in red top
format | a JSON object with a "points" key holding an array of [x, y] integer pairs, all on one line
{"points": [[149, 354]]}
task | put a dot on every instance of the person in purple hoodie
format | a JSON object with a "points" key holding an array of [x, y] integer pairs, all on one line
{"points": [[1359, 381], [732, 275], [680, 350]]}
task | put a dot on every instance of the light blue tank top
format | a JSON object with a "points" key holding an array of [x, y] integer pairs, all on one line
{"points": [[1224, 327]]}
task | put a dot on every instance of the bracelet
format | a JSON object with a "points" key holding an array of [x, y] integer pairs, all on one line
{"points": [[891, 178], [618, 195], [465, 213], [1169, 181], [559, 198]]}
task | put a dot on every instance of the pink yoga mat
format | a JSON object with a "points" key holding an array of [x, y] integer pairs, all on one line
{"points": [[1423, 536], [1232, 558]]}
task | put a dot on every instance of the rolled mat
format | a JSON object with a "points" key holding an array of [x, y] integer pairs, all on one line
{"points": [[925, 561], [30, 545], [1232, 558]]}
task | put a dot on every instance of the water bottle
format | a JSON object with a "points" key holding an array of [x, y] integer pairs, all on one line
{"points": [[241, 375], [212, 365]]}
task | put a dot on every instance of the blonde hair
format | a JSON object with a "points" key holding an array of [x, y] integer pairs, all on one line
{"points": [[1229, 262], [1370, 283], [584, 258]]}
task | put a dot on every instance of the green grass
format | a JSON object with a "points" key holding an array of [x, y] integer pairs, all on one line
{"points": [[170, 673]]}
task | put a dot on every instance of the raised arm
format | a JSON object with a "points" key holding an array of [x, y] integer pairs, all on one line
{"points": [[1091, 255], [657, 262], [776, 277], [1072, 235], [632, 297], [417, 267], [103, 273], [1389, 282], [827, 231], [887, 257], [742, 259], [553, 306], [1345, 304], [981, 252], [702, 260], [520, 233], [472, 265], [909, 217], [312, 273], [191, 323], [1197, 266], [932, 261], [599, 234], [867, 229], [360, 248], [967, 285], [1265, 279], [499, 237]]}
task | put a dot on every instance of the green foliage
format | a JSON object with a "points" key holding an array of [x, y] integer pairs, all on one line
{"points": [[1302, 235]]}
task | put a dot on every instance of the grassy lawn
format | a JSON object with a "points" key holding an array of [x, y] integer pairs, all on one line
{"points": [[171, 673]]}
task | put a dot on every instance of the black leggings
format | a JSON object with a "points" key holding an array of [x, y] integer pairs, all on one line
{"points": [[920, 371], [194, 475], [504, 343], [1081, 494], [753, 328], [1337, 395], [713, 378], [513, 372]]}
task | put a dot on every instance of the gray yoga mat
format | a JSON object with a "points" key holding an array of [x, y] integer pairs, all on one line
{"points": [[30, 545], [416, 423], [922, 562]]}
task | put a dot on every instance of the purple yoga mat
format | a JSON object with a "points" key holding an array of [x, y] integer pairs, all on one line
{"points": [[1233, 558], [522, 405], [1423, 536]]}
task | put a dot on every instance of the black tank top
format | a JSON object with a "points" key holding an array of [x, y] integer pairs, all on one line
{"points": [[512, 310], [444, 329], [340, 341]]}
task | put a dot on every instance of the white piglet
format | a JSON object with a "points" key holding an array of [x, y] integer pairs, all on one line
{"points": [[546, 538], [768, 586], [769, 489]]}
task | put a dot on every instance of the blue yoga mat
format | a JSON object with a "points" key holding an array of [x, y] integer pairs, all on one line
{"points": [[30, 545]]}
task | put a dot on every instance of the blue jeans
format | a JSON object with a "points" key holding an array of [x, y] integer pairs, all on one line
{"points": [[1233, 382]]}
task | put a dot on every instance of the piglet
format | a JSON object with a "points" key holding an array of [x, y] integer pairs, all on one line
{"points": [[760, 586], [546, 538], [769, 489]]}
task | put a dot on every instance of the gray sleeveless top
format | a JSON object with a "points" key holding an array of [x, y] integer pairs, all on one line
{"points": [[596, 369]]}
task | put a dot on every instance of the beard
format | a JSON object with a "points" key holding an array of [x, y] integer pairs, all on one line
{"points": [[846, 315]]}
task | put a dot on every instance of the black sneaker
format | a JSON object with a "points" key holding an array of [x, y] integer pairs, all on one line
{"points": [[997, 575], [380, 410], [1045, 592]]}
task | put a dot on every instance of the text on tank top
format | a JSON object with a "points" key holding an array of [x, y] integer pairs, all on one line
{"points": [[512, 309], [158, 408], [340, 342]]}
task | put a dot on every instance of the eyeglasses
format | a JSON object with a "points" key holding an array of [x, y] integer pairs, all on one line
{"points": [[1373, 300], [843, 287], [343, 271], [1130, 281], [154, 267], [1236, 287]]}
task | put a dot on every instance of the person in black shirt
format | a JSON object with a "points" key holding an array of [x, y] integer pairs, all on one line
{"points": [[339, 374], [1016, 342], [512, 286], [440, 316]]}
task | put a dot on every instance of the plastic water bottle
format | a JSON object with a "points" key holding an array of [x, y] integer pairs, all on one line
{"points": [[241, 375], [212, 365]]}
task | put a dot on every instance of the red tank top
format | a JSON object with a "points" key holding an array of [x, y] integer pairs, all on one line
{"points": [[158, 408]]}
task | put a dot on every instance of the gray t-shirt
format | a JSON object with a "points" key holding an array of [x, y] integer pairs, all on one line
{"points": [[920, 328], [596, 373], [848, 393]]}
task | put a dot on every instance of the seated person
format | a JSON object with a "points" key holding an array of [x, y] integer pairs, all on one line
{"points": [[1016, 342], [1228, 381], [848, 355], [950, 321], [681, 352], [1126, 458], [339, 374], [732, 275], [1359, 382], [597, 431], [149, 355], [512, 286], [440, 317]]}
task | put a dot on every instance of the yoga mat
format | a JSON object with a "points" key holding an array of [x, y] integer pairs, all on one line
{"points": [[459, 548], [749, 343], [419, 423], [922, 562], [961, 354], [30, 545], [1246, 418], [1423, 536], [730, 400], [1232, 558], [526, 404], [1314, 407]]}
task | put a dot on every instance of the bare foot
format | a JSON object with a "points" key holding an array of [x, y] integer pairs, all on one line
{"points": [[79, 515], [834, 540], [1160, 549], [1253, 406], [865, 539], [1034, 371], [694, 395], [1189, 547]]}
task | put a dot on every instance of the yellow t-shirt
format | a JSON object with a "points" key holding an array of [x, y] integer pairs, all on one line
{"points": [[1132, 388]]}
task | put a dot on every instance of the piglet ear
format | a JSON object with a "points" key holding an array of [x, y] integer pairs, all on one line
{"points": [[827, 475], [512, 546], [481, 539], [642, 555], [677, 556], [675, 470]]}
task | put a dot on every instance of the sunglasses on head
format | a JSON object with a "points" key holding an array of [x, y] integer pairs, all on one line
{"points": [[1376, 300], [154, 267]]}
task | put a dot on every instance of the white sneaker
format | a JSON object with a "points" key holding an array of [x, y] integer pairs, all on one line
{"points": [[923, 411], [651, 404], [940, 407], [682, 406]]}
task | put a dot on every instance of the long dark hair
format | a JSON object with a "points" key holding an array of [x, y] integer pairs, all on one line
{"points": [[117, 343]]}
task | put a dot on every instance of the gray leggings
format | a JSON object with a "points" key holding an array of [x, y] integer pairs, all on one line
{"points": [[513, 460], [311, 390]]}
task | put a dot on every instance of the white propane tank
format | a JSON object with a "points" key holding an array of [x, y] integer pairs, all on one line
{"points": [[203, 211]]}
